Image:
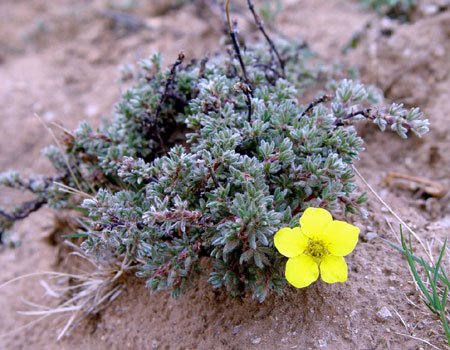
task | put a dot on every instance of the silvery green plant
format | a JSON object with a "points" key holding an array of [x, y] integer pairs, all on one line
{"points": [[200, 163]]}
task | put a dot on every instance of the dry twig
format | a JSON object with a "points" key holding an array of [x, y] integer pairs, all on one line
{"points": [[260, 26], [431, 188]]}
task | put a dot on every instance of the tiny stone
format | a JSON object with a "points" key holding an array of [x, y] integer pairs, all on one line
{"points": [[386, 23], [383, 314], [388, 270], [261, 314], [155, 344], [236, 329], [369, 236], [284, 340], [439, 51], [91, 110], [384, 193], [48, 116], [323, 343], [255, 341], [356, 268], [429, 10], [407, 52], [445, 222], [432, 205], [393, 280]]}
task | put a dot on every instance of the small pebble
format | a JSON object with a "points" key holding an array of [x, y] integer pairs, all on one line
{"points": [[91, 110], [369, 236], [441, 224], [392, 279], [386, 23], [323, 343], [383, 314], [429, 10], [356, 268], [255, 341], [48, 116]]}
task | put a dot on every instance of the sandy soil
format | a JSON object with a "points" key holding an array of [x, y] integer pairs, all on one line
{"points": [[59, 60]]}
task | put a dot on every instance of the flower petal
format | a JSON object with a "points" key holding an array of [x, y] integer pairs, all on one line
{"points": [[333, 269], [290, 242], [301, 271], [340, 237], [314, 221]]}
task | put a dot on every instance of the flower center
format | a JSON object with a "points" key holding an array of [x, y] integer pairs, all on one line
{"points": [[317, 248]]}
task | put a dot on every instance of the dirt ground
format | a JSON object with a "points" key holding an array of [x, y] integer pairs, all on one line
{"points": [[59, 59]]}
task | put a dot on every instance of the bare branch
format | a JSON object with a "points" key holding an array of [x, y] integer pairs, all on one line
{"points": [[317, 101], [260, 26], [169, 81]]}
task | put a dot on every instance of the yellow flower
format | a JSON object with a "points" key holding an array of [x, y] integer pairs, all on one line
{"points": [[319, 244]]}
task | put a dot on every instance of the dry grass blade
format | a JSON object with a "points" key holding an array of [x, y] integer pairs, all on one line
{"points": [[66, 160], [48, 290], [25, 326], [422, 340], [81, 293], [60, 148], [68, 189], [377, 196], [403, 321], [48, 312], [28, 275]]}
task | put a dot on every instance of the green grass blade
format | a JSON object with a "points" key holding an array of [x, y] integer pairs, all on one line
{"points": [[434, 302], [75, 235], [438, 264], [444, 298], [443, 278], [412, 266], [83, 211]]}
